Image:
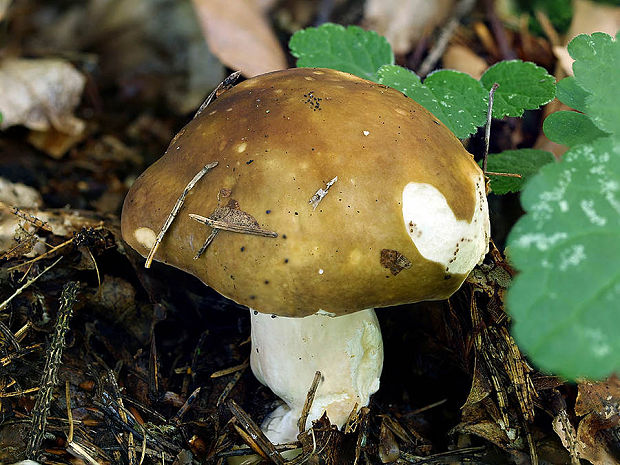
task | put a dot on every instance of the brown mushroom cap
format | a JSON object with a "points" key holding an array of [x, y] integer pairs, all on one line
{"points": [[279, 138]]}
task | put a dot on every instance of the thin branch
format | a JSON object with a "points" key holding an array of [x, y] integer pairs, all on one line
{"points": [[256, 433], [487, 129], [175, 211], [301, 423], [207, 243], [221, 88], [508, 175], [28, 283], [461, 9]]}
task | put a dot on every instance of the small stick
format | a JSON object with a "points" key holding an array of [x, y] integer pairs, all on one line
{"points": [[43, 255], [50, 372], [221, 87], [301, 423], [176, 420], [487, 129], [229, 387], [175, 211], [31, 219], [461, 9], [224, 225], [228, 371], [8, 335], [69, 413], [508, 175], [256, 433], [28, 283], [207, 243]]}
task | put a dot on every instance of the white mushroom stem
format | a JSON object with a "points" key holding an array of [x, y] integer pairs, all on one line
{"points": [[286, 353]]}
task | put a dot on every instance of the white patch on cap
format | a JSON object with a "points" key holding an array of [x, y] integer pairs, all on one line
{"points": [[145, 236], [457, 244]]}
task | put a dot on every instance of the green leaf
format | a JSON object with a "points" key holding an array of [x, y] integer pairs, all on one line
{"points": [[525, 162], [570, 93], [564, 301], [571, 128], [522, 86], [596, 69], [457, 99], [352, 49]]}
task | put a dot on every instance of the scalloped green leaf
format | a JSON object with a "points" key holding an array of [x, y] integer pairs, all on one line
{"points": [[457, 99], [522, 86], [525, 162], [571, 128], [351, 49], [564, 301], [596, 69], [572, 94]]}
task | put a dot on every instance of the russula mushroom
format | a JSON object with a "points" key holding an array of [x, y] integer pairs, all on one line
{"points": [[374, 201]]}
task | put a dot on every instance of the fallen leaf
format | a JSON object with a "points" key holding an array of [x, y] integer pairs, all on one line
{"points": [[4, 5], [588, 17], [40, 94], [463, 59], [405, 22], [600, 403], [239, 35]]}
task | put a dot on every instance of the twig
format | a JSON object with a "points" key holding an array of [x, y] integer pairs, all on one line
{"points": [[226, 226], [50, 372], [28, 283], [8, 335], [301, 423], [498, 31], [43, 255], [256, 433], [207, 243], [229, 387], [508, 175], [69, 413], [228, 371], [221, 88], [175, 211], [487, 129], [131, 449], [31, 219], [176, 420], [461, 9]]}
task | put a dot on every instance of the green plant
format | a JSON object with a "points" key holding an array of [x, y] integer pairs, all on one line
{"points": [[565, 300]]}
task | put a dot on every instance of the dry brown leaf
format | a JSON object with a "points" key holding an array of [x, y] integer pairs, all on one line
{"points": [[405, 22], [465, 60], [595, 440], [4, 5], [602, 398], [238, 33], [600, 403], [40, 94], [588, 17]]}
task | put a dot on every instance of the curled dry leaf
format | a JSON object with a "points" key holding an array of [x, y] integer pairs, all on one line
{"points": [[239, 35], [40, 94], [405, 22]]}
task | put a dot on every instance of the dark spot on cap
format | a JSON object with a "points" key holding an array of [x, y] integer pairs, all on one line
{"points": [[248, 162], [242, 249]]}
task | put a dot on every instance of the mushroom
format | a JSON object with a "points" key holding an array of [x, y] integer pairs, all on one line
{"points": [[372, 200]]}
